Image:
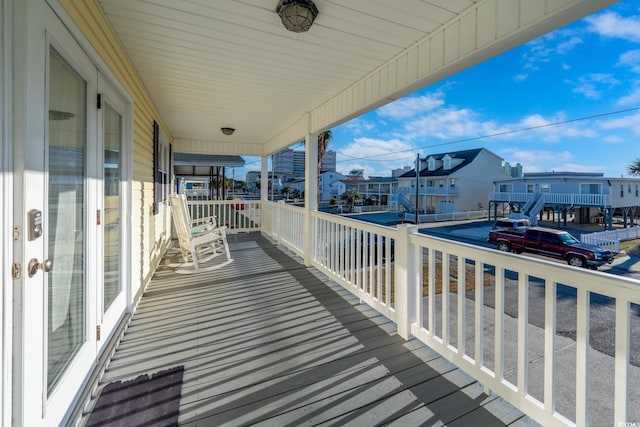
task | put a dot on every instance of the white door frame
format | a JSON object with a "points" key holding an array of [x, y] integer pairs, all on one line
{"points": [[6, 208], [29, 47]]}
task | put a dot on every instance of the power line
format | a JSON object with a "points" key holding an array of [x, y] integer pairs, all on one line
{"points": [[476, 138]]}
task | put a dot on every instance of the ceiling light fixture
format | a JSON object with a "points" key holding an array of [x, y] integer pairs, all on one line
{"points": [[297, 15], [228, 131]]}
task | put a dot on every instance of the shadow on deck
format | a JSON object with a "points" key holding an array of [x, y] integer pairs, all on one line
{"points": [[267, 341]]}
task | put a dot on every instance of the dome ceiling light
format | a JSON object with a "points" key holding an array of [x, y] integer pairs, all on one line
{"points": [[297, 15]]}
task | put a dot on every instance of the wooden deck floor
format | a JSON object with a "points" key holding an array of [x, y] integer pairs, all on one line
{"points": [[267, 341]]}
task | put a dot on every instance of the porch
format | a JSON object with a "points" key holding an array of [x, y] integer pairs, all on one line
{"points": [[281, 336], [266, 340]]}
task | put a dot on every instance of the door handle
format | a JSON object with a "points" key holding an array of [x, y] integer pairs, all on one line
{"points": [[34, 265]]}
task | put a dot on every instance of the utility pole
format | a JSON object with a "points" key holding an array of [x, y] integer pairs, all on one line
{"points": [[417, 188]]}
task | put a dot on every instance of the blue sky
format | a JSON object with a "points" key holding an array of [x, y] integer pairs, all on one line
{"points": [[567, 101]]}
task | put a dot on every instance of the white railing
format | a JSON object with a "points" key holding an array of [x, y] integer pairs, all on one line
{"points": [[237, 215], [358, 255], [509, 197], [497, 316], [611, 239], [451, 216], [573, 199], [290, 226]]}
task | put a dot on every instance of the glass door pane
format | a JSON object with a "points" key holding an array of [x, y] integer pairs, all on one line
{"points": [[66, 302], [112, 169]]}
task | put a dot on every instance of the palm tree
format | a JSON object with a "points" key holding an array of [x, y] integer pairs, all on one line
{"points": [[287, 191], [634, 167], [324, 138], [350, 197]]}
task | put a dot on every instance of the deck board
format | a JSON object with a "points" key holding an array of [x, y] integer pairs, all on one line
{"points": [[267, 341]]}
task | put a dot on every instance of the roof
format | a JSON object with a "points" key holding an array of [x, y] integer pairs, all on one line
{"points": [[467, 156], [189, 159], [214, 64]]}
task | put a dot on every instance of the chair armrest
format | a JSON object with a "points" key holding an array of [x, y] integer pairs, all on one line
{"points": [[203, 220], [209, 235]]}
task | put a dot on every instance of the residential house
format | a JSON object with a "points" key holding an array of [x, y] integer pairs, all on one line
{"points": [[454, 181], [587, 197], [332, 184], [378, 189], [97, 94]]}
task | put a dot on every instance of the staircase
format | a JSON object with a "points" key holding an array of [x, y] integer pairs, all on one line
{"points": [[400, 199], [531, 209]]}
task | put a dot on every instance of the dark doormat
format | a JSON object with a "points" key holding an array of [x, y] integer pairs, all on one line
{"points": [[144, 401]]}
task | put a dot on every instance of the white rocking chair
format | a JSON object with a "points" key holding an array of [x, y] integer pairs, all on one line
{"points": [[199, 240]]}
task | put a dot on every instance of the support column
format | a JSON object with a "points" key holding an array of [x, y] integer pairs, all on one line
{"points": [[310, 193], [264, 178], [406, 268]]}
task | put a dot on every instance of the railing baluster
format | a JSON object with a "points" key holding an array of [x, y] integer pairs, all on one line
{"points": [[621, 395], [432, 293], [582, 357], [479, 312], [462, 307], [549, 346], [445, 297], [523, 333], [498, 367]]}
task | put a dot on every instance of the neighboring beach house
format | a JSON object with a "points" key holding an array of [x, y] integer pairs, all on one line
{"points": [[590, 198], [454, 181]]}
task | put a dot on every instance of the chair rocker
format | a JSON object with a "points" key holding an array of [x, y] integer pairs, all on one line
{"points": [[199, 240]]}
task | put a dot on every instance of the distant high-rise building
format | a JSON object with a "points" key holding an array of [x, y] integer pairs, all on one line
{"points": [[513, 171], [292, 162], [328, 162], [401, 171]]}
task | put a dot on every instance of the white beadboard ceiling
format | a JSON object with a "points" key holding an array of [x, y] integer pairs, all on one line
{"points": [[230, 63]]}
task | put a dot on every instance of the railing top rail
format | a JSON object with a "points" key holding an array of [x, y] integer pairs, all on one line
{"points": [[627, 289], [363, 225]]}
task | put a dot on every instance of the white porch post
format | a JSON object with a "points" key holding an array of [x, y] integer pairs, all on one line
{"points": [[264, 178], [310, 193], [405, 279]]}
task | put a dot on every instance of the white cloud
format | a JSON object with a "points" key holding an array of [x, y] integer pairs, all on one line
{"points": [[593, 85], [411, 106], [630, 122], [612, 25], [375, 156], [633, 97], [630, 59], [548, 47]]}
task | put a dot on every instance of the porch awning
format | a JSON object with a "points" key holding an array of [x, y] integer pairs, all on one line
{"points": [[201, 164]]}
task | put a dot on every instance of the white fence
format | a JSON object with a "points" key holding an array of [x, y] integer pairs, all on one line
{"points": [[498, 316], [611, 239], [451, 216], [237, 215], [573, 199]]}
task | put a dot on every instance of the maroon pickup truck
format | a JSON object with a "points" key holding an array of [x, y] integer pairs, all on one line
{"points": [[553, 243]]}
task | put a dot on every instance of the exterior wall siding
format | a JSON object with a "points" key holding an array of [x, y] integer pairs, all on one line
{"points": [[150, 233]]}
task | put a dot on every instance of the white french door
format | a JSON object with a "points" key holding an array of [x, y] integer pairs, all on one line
{"points": [[111, 297], [73, 189]]}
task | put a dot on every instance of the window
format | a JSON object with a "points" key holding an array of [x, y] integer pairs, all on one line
{"points": [[591, 188], [447, 162], [161, 168], [636, 190], [432, 164], [530, 188], [545, 188], [453, 183], [621, 190], [505, 188]]}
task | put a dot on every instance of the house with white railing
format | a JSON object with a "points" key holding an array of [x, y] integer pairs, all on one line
{"points": [[95, 97], [378, 189], [587, 198], [454, 181]]}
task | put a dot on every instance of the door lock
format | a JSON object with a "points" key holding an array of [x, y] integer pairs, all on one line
{"points": [[34, 265]]}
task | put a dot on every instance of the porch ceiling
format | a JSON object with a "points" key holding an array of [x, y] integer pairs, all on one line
{"points": [[231, 63]]}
